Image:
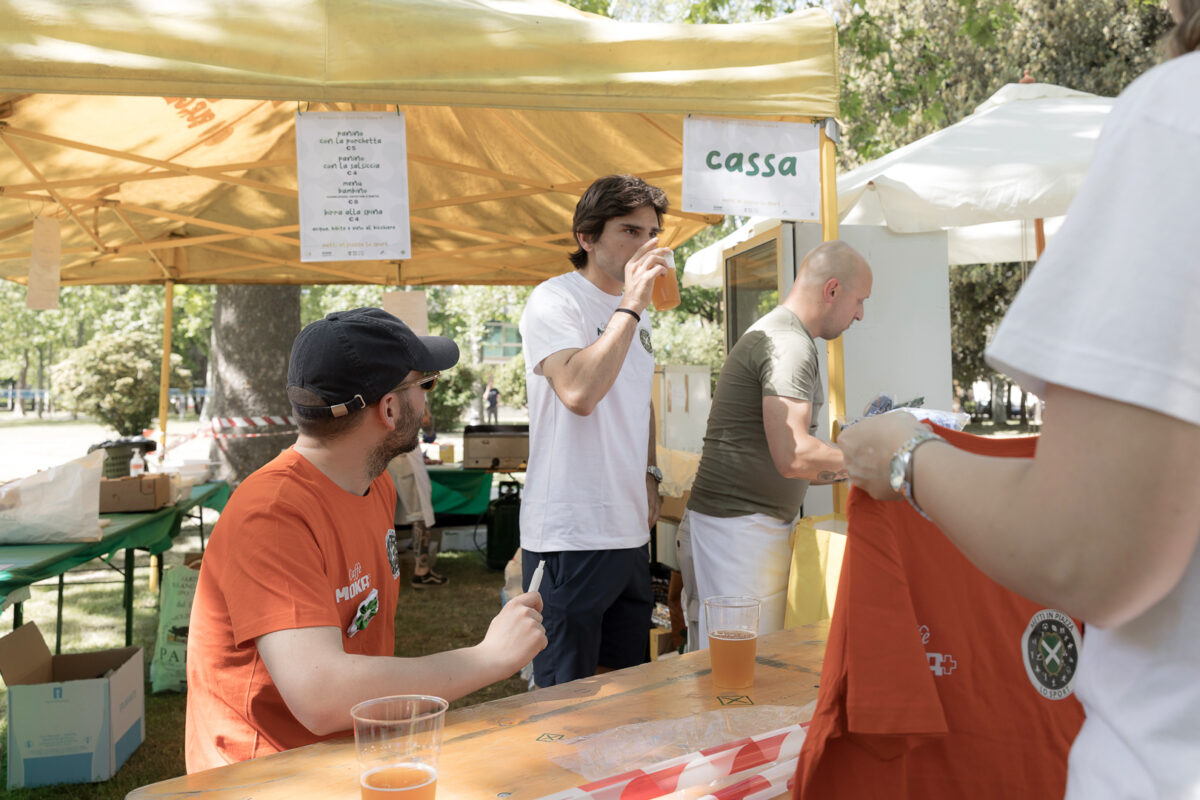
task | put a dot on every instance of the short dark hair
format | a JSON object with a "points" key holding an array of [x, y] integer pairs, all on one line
{"points": [[612, 196], [323, 428]]}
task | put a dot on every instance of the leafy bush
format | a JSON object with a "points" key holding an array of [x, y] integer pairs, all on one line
{"points": [[456, 389], [114, 379], [510, 381]]}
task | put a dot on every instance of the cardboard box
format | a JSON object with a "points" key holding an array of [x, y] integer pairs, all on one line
{"points": [[673, 507], [71, 718], [141, 493]]}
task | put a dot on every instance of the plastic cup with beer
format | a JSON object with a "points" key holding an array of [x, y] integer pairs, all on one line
{"points": [[398, 740], [665, 294], [732, 639]]}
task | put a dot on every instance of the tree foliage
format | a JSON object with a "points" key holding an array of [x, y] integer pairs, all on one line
{"points": [[115, 379], [911, 68]]}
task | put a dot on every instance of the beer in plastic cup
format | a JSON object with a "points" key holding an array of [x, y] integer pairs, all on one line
{"points": [[398, 740], [665, 294], [732, 639]]}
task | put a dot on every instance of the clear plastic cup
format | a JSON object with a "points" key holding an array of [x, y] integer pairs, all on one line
{"points": [[665, 294], [732, 639], [398, 740]]}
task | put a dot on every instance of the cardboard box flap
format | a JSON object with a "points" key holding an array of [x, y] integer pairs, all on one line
{"points": [[87, 666], [24, 657]]}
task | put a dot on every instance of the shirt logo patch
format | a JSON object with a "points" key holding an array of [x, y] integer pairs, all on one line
{"points": [[393, 553], [1050, 647], [644, 337], [940, 664], [367, 610]]}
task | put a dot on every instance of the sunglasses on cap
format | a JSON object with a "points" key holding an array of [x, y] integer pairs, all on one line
{"points": [[426, 382]]}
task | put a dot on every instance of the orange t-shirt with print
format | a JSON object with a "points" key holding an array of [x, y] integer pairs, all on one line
{"points": [[291, 550], [938, 683]]}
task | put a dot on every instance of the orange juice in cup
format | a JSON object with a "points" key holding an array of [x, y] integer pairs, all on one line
{"points": [[732, 624], [398, 740], [409, 781], [732, 653], [665, 294]]}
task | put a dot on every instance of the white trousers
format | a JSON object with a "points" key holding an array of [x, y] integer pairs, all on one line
{"points": [[749, 556]]}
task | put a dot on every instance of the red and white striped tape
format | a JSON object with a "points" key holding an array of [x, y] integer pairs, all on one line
{"points": [[768, 759], [250, 422], [242, 427]]}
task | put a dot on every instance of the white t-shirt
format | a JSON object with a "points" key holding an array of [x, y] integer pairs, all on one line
{"points": [[1113, 309], [585, 487]]}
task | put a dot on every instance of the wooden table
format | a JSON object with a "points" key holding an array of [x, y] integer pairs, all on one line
{"points": [[500, 749]]}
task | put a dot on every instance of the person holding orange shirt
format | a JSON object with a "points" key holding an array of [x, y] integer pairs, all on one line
{"points": [[1104, 522]]}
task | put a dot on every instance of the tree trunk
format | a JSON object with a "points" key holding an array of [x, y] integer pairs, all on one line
{"points": [[999, 402], [253, 329], [22, 383]]}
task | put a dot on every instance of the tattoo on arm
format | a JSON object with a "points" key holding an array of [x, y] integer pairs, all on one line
{"points": [[833, 477]]}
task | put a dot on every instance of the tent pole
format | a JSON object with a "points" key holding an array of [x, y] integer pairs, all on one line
{"points": [[833, 349], [164, 380], [164, 387], [1039, 233]]}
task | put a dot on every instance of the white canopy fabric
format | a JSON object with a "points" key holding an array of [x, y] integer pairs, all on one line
{"points": [[1021, 156]]}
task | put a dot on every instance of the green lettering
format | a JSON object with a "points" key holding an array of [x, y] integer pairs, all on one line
{"points": [[770, 170], [733, 162], [709, 159], [788, 166], [753, 165]]}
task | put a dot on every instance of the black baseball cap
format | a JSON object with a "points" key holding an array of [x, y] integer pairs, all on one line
{"points": [[350, 359]]}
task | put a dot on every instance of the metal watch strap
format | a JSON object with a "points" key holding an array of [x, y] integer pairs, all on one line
{"points": [[911, 446]]}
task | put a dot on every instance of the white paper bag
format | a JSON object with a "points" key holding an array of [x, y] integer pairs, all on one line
{"points": [[60, 504]]}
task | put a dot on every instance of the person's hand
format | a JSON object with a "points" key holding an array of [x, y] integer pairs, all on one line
{"points": [[653, 500], [646, 265], [516, 635], [868, 446]]}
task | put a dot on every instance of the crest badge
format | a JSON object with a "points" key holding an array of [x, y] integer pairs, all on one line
{"points": [[644, 337], [393, 552], [1050, 649]]}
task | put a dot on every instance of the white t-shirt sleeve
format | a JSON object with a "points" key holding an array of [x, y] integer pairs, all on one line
{"points": [[552, 321], [1113, 306]]}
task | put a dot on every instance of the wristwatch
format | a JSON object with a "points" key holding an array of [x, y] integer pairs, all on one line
{"points": [[654, 472], [900, 475]]}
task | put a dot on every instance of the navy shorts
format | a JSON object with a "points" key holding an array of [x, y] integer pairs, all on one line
{"points": [[597, 607]]}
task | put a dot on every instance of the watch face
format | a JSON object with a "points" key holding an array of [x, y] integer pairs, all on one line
{"points": [[896, 477]]}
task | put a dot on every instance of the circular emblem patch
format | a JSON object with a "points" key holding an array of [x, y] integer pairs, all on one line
{"points": [[393, 552], [644, 336], [1050, 648]]}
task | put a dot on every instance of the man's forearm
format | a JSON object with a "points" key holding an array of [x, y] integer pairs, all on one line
{"points": [[815, 461], [587, 375]]}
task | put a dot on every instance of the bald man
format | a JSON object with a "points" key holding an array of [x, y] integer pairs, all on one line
{"points": [[760, 452]]}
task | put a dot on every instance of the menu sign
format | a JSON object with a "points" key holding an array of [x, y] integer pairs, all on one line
{"points": [[353, 174]]}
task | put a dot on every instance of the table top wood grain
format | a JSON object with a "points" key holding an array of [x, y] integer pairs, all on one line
{"points": [[502, 749]]}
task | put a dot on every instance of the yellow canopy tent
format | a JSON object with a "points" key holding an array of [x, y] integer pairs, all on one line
{"points": [[161, 135]]}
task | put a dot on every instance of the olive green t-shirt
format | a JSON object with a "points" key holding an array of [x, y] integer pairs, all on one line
{"points": [[736, 476]]}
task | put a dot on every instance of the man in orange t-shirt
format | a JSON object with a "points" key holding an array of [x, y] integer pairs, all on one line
{"points": [[292, 622]]}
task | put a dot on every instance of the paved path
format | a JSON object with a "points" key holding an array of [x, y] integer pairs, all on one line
{"points": [[28, 446]]}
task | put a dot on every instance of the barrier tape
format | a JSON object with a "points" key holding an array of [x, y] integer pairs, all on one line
{"points": [[237, 426], [250, 422]]}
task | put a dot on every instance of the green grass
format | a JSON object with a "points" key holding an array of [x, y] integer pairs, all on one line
{"points": [[427, 621]]}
